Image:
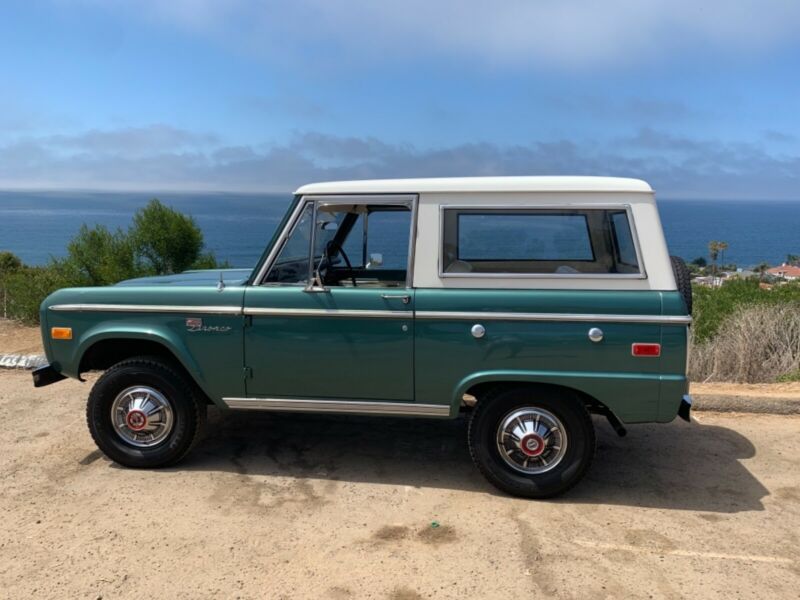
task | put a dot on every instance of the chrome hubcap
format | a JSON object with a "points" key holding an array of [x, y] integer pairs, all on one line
{"points": [[142, 416], [531, 440]]}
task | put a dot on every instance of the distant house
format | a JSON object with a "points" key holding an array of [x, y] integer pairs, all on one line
{"points": [[709, 281], [787, 272]]}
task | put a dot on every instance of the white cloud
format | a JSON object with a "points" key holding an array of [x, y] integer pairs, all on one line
{"points": [[550, 33], [677, 166], [133, 141]]}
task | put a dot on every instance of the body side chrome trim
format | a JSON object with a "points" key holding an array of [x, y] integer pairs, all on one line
{"points": [[328, 312], [577, 317], [338, 406], [391, 314], [147, 308]]}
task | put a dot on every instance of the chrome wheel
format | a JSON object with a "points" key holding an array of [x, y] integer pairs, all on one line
{"points": [[142, 416], [531, 440]]}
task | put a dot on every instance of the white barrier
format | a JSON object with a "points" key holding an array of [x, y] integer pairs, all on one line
{"points": [[22, 361]]}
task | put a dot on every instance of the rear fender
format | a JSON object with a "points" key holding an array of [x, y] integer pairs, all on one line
{"points": [[632, 397]]}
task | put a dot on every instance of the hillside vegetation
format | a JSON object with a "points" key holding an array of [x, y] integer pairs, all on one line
{"points": [[160, 240], [745, 333]]}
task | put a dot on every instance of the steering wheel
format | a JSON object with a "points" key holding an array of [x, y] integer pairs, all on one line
{"points": [[331, 250]]}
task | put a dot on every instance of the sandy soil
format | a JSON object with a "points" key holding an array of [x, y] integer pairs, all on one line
{"points": [[765, 390], [18, 339], [323, 507]]}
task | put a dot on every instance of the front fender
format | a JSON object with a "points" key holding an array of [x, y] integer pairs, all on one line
{"points": [[160, 335]]}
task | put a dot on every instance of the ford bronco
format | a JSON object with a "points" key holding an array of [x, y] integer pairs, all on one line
{"points": [[528, 303]]}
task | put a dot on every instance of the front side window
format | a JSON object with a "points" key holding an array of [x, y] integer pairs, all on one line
{"points": [[538, 241], [354, 245], [291, 265]]}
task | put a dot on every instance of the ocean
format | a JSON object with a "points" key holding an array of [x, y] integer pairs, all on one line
{"points": [[38, 225]]}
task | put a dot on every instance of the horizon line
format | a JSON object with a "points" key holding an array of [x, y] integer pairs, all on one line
{"points": [[255, 192]]}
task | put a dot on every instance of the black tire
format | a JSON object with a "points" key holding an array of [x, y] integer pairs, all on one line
{"points": [[493, 408], [188, 413], [683, 280]]}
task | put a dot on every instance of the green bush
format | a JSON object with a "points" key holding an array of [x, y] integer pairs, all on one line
{"points": [[713, 306], [9, 263], [28, 286], [759, 343], [160, 241], [743, 332], [96, 256], [164, 240], [788, 377]]}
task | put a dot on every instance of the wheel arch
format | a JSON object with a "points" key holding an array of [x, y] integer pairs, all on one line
{"points": [[104, 349], [479, 383]]}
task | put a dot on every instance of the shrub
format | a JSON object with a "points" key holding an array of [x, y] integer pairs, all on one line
{"points": [[161, 240], [164, 240], [790, 377], [96, 256], [755, 344], [714, 306], [28, 286], [9, 263]]}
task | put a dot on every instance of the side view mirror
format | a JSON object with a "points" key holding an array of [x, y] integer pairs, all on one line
{"points": [[375, 260]]}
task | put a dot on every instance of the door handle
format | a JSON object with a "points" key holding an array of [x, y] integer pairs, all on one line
{"points": [[404, 297]]}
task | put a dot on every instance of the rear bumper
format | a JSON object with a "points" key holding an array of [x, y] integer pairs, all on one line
{"points": [[685, 408], [45, 376]]}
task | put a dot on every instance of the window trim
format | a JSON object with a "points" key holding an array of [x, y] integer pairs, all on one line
{"points": [[409, 200], [642, 274]]}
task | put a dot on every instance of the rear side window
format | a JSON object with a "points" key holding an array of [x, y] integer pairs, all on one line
{"points": [[623, 239], [538, 241]]}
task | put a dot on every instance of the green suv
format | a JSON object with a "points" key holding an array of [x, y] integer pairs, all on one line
{"points": [[526, 303]]}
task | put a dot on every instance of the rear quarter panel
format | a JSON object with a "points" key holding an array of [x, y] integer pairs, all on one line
{"points": [[449, 360]]}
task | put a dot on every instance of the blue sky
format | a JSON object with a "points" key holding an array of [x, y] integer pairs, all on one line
{"points": [[700, 98]]}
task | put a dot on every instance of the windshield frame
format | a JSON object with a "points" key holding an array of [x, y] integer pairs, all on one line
{"points": [[409, 201]]}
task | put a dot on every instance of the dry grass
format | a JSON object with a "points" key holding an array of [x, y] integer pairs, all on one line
{"points": [[756, 344]]}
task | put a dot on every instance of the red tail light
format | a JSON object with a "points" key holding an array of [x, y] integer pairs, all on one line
{"points": [[646, 349]]}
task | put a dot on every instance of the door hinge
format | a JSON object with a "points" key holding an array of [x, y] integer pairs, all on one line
{"points": [[248, 372]]}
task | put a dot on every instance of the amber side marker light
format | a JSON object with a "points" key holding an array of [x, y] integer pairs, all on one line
{"points": [[646, 349], [61, 333]]}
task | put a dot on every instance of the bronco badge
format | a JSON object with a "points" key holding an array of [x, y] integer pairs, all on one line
{"points": [[193, 325]]}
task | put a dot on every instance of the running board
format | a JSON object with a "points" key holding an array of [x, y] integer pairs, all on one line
{"points": [[359, 407]]}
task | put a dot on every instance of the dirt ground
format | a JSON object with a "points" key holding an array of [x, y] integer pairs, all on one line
{"points": [[342, 507], [789, 389], [18, 339]]}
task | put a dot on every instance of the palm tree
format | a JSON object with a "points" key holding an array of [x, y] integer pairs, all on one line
{"points": [[722, 247], [761, 269], [713, 253]]}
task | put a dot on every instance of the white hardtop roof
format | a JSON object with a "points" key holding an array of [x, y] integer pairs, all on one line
{"points": [[479, 184]]}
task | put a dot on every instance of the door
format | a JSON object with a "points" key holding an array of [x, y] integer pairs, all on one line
{"points": [[333, 316]]}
